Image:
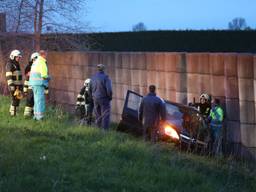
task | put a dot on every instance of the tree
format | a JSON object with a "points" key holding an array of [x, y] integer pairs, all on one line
{"points": [[38, 16], [238, 23], [139, 27]]}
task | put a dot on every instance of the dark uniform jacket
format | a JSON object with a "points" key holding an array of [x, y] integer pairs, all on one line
{"points": [[84, 97], [84, 102], [13, 75], [204, 109], [27, 74], [152, 110], [101, 87]]}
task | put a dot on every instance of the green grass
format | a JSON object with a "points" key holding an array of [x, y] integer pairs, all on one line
{"points": [[58, 155]]}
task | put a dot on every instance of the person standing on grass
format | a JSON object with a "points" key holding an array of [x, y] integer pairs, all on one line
{"points": [[38, 80], [102, 96], [84, 103], [216, 118], [151, 111], [14, 80]]}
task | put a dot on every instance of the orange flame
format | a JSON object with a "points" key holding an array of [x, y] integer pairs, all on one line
{"points": [[170, 131]]}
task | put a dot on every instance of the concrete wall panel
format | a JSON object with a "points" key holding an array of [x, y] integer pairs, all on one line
{"points": [[216, 64], [170, 62], [217, 86], [233, 132], [248, 133], [170, 81], [245, 66], [246, 91], [247, 112], [232, 110], [230, 61], [231, 87]]}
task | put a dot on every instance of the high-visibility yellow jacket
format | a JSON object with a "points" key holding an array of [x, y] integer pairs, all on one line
{"points": [[39, 73], [216, 116]]}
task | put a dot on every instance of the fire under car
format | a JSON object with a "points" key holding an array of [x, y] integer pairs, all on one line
{"points": [[184, 125]]}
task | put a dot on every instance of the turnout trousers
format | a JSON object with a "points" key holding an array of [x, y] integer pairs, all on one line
{"points": [[29, 103], [14, 104]]}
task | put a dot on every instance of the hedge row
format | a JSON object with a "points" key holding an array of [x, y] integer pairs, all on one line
{"points": [[169, 41]]}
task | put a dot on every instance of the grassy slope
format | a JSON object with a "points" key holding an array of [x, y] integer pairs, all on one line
{"points": [[55, 155]]}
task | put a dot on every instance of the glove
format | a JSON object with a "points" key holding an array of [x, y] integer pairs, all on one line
{"points": [[18, 94], [46, 91]]}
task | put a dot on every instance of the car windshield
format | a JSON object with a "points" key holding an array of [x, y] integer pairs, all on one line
{"points": [[174, 115]]}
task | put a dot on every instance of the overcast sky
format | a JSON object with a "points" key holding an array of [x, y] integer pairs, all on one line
{"points": [[121, 15]]}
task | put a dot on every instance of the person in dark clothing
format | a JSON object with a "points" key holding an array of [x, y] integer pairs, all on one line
{"points": [[14, 80], [102, 96], [204, 105], [151, 111], [28, 112], [84, 103]]}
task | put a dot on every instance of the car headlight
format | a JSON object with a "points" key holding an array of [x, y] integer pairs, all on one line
{"points": [[170, 131]]}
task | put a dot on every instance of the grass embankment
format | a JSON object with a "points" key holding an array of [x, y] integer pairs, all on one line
{"points": [[56, 155]]}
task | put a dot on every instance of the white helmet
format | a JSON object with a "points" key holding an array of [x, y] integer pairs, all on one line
{"points": [[34, 56], [87, 82], [15, 53], [205, 96]]}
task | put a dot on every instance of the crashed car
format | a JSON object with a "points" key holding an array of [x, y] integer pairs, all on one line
{"points": [[183, 125]]}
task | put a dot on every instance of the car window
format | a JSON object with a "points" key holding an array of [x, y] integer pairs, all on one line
{"points": [[134, 101], [173, 112]]}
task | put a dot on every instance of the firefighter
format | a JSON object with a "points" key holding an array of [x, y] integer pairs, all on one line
{"points": [[204, 105], [38, 80], [216, 118], [151, 112], [102, 96], [14, 80], [84, 103]]}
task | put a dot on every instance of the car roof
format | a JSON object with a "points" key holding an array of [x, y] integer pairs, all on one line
{"points": [[183, 107], [180, 105]]}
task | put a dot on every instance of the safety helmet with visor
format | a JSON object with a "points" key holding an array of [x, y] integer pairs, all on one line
{"points": [[15, 53], [205, 97], [34, 56]]}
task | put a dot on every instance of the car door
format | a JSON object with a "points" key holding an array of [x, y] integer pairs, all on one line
{"points": [[130, 122]]}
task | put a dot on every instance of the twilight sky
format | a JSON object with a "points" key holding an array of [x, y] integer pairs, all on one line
{"points": [[121, 15]]}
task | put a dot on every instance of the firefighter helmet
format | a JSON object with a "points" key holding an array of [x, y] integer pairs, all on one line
{"points": [[205, 96], [15, 53], [34, 56], [87, 82]]}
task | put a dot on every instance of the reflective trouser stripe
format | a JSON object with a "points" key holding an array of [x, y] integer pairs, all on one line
{"points": [[80, 103], [12, 110], [28, 111]]}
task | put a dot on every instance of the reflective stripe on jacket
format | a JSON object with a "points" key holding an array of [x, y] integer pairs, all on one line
{"points": [[39, 72], [13, 74]]}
